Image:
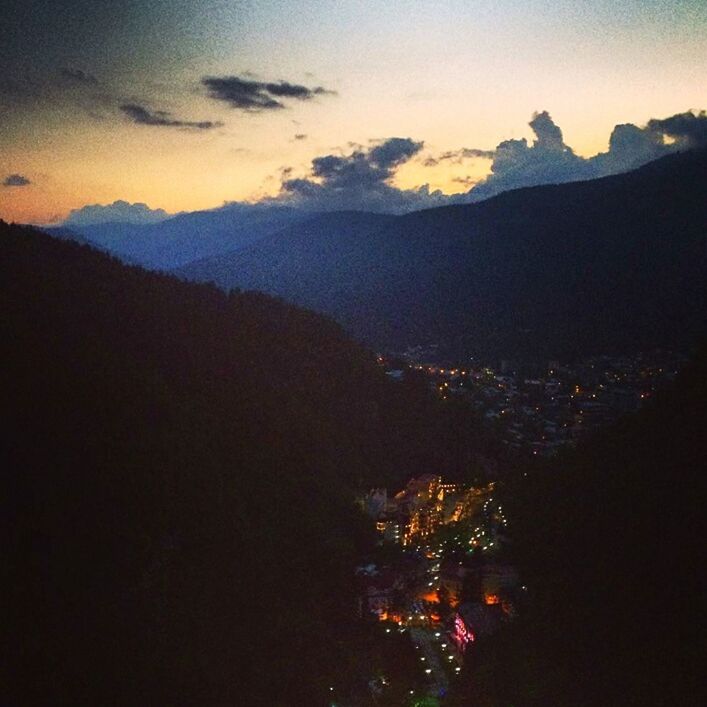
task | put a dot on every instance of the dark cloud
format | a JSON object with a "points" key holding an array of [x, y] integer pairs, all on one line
{"points": [[363, 170], [143, 116], [687, 129], [359, 180], [393, 152], [15, 180], [300, 136], [78, 76], [548, 136], [257, 96]]}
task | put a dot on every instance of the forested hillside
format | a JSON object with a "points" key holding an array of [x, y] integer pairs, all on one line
{"points": [[180, 526]]}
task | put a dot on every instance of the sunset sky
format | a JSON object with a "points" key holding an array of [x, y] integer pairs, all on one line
{"points": [[186, 104]]}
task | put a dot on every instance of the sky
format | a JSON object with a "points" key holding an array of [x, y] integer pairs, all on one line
{"points": [[187, 104]]}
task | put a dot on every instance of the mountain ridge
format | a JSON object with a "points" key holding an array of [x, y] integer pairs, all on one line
{"points": [[184, 237], [582, 259]]}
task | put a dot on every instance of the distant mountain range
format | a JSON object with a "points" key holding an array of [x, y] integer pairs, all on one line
{"points": [[612, 264], [186, 237]]}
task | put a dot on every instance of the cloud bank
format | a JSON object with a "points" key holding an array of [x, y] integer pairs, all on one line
{"points": [[548, 160], [257, 96], [363, 179], [117, 212]]}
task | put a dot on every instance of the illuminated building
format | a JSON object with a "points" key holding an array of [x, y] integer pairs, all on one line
{"points": [[416, 512], [390, 529], [462, 634], [422, 502], [473, 621]]}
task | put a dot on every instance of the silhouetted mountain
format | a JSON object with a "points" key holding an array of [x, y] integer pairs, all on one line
{"points": [[186, 237], [617, 263], [318, 259], [180, 473], [610, 543], [67, 234]]}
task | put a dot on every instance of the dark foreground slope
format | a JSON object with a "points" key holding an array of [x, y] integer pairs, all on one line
{"points": [[179, 526], [614, 264], [611, 542]]}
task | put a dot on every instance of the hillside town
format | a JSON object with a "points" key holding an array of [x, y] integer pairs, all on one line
{"points": [[441, 574], [536, 410]]}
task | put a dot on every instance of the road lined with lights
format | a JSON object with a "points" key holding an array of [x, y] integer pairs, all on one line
{"points": [[425, 640]]}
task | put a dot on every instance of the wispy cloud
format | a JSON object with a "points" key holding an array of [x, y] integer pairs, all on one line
{"points": [[144, 116], [457, 156], [257, 96]]}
